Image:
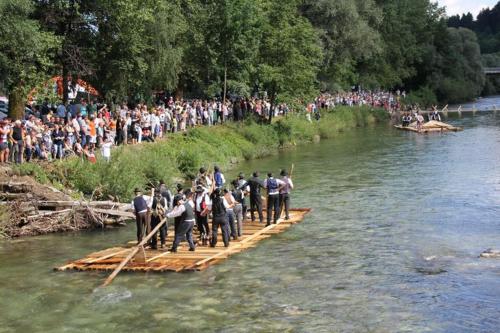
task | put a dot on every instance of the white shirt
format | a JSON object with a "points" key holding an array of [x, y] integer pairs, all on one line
{"points": [[149, 202], [106, 149], [179, 210], [202, 198]]}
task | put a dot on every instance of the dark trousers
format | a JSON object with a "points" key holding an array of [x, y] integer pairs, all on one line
{"points": [[140, 221], [202, 225], [155, 220], [256, 205], [185, 229], [273, 203], [285, 200], [220, 220], [230, 220], [177, 221]]}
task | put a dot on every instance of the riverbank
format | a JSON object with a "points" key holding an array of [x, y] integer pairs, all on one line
{"points": [[180, 155]]}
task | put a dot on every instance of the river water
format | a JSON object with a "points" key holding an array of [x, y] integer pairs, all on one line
{"points": [[392, 246]]}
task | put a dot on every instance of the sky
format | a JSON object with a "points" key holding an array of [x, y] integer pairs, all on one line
{"points": [[464, 6]]}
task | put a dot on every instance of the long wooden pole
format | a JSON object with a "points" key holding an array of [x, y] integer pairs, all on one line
{"points": [[133, 253]]}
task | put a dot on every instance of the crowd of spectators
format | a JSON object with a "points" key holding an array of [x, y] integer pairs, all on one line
{"points": [[57, 131]]}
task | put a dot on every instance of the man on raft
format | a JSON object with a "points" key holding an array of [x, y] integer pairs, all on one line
{"points": [[223, 205]]}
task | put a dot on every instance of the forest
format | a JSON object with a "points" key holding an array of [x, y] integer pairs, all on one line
{"points": [[291, 50]]}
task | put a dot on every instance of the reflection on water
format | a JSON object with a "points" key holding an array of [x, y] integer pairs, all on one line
{"points": [[391, 246]]}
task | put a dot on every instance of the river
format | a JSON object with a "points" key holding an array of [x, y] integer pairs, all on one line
{"points": [[392, 246]]}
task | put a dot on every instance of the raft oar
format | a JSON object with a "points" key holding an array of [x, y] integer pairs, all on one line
{"points": [[133, 253]]}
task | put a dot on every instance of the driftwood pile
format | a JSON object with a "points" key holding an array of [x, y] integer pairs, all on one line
{"points": [[26, 211]]}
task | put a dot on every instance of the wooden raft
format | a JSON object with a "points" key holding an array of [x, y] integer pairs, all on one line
{"points": [[184, 260]]}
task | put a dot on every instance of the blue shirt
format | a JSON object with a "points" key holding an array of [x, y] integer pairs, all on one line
{"points": [[61, 111]]}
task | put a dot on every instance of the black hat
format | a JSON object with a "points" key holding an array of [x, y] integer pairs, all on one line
{"points": [[283, 173], [177, 198], [199, 188]]}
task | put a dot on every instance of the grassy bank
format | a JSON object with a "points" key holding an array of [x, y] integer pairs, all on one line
{"points": [[181, 155]]}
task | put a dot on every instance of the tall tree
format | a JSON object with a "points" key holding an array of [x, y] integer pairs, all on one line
{"points": [[68, 21], [290, 54], [26, 52], [349, 34]]}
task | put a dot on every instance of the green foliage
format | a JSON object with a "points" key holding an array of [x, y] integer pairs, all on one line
{"points": [[25, 52], [290, 54], [424, 96], [349, 34], [461, 75], [288, 49], [492, 84]]}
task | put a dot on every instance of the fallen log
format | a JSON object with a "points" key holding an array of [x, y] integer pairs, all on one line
{"points": [[114, 212]]}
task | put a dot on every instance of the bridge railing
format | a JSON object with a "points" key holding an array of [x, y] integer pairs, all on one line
{"points": [[491, 70]]}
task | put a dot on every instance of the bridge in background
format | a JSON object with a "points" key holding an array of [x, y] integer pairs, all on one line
{"points": [[491, 70]]}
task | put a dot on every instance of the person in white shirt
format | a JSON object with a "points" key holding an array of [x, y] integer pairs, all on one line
{"points": [[201, 203], [285, 193], [230, 203], [106, 150], [273, 203]]}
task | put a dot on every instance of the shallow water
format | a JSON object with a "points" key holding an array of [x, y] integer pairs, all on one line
{"points": [[392, 246]]}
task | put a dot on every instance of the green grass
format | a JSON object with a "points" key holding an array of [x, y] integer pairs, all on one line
{"points": [[181, 155]]}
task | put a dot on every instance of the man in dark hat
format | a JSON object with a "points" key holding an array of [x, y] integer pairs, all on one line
{"points": [[245, 189], [158, 210], [285, 193], [255, 184], [141, 209], [273, 186], [165, 192], [203, 179], [177, 220], [218, 177], [185, 211]]}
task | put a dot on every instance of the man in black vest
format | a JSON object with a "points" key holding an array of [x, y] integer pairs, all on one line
{"points": [[185, 211], [219, 218], [141, 209], [273, 186], [157, 214], [255, 199]]}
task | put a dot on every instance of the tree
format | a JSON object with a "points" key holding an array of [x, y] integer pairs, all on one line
{"points": [[460, 75], [290, 54], [26, 52], [165, 47], [349, 34], [68, 21]]}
